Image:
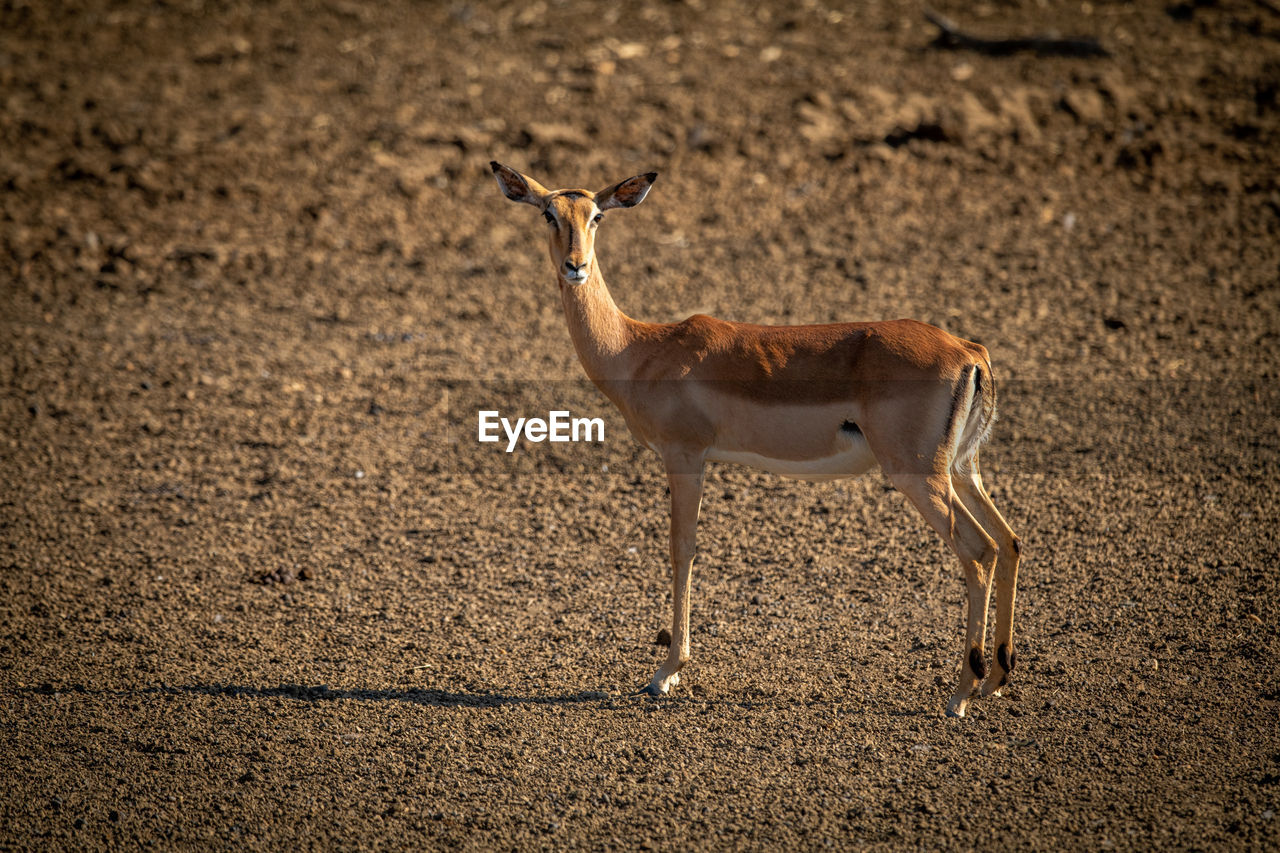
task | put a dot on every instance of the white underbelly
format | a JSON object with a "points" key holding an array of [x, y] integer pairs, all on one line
{"points": [[855, 459]]}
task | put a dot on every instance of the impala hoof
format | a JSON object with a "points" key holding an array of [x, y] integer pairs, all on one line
{"points": [[659, 687], [956, 707], [994, 684]]}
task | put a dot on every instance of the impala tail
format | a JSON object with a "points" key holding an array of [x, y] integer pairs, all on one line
{"points": [[973, 416]]}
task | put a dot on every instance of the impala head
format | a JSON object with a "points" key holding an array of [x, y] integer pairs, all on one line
{"points": [[572, 215]]}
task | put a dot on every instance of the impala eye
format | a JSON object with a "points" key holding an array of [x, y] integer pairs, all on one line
{"points": [[599, 217], [549, 216]]}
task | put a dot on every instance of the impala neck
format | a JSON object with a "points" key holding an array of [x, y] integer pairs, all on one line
{"points": [[600, 332]]}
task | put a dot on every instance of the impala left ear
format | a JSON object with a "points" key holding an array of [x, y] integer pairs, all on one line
{"points": [[629, 193], [518, 187]]}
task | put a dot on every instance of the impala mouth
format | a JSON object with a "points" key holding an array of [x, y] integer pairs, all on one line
{"points": [[576, 277]]}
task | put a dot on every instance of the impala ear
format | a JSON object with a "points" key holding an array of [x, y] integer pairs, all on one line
{"points": [[629, 193], [518, 187]]}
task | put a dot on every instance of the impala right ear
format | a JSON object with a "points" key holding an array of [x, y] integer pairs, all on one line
{"points": [[629, 193], [518, 187]]}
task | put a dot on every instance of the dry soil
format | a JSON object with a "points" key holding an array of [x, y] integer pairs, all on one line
{"points": [[260, 585]]}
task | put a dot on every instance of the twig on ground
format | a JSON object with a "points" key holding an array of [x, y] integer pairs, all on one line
{"points": [[952, 37]]}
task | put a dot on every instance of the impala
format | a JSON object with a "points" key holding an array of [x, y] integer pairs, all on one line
{"points": [[810, 402]]}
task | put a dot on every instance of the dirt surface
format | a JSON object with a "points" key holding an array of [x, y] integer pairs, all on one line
{"points": [[262, 586]]}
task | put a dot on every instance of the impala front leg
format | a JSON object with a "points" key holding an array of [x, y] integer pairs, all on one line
{"points": [[684, 476]]}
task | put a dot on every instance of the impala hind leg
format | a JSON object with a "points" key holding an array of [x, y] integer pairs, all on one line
{"points": [[684, 476], [942, 508], [968, 485]]}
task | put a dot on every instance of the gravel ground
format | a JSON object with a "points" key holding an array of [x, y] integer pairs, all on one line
{"points": [[260, 586]]}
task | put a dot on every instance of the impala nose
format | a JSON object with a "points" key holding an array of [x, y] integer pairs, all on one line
{"points": [[575, 272]]}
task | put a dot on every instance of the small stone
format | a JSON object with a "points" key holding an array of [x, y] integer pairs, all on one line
{"points": [[664, 638], [1086, 105]]}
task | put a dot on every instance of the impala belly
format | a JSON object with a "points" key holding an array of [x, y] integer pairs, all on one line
{"points": [[806, 443], [849, 463]]}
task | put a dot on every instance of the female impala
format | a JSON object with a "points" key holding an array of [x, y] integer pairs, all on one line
{"points": [[813, 402]]}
